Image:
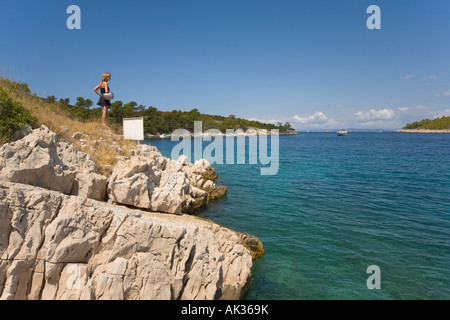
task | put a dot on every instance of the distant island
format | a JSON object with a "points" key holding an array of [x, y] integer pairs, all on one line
{"points": [[438, 125]]}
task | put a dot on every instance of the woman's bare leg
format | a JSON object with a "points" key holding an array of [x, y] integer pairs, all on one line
{"points": [[105, 111]]}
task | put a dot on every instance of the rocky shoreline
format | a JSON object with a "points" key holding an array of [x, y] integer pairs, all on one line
{"points": [[68, 232], [423, 131]]}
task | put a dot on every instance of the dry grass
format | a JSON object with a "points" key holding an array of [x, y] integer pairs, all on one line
{"points": [[104, 146]]}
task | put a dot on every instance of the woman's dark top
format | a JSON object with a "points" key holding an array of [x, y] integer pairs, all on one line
{"points": [[102, 101]]}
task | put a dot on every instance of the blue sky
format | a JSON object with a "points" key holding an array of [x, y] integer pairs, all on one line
{"points": [[312, 63]]}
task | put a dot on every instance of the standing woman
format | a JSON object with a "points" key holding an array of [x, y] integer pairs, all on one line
{"points": [[102, 102]]}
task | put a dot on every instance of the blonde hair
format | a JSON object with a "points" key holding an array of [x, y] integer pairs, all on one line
{"points": [[105, 75]]}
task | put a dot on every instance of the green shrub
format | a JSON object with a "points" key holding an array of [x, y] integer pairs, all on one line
{"points": [[13, 117]]}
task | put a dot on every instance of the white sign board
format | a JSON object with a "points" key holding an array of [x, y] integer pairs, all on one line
{"points": [[133, 129]]}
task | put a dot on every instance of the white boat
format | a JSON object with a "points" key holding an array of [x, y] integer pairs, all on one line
{"points": [[164, 136], [342, 133]]}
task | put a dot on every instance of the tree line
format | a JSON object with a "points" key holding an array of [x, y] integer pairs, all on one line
{"points": [[436, 124], [160, 122]]}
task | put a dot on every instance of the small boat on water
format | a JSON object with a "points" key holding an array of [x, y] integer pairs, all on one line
{"points": [[342, 132], [164, 136]]}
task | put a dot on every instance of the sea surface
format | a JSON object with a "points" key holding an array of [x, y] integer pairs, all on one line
{"points": [[339, 205]]}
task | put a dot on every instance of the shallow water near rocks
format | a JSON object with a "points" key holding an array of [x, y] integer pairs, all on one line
{"points": [[339, 205]]}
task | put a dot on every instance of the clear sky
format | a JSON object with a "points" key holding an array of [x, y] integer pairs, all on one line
{"points": [[313, 63]]}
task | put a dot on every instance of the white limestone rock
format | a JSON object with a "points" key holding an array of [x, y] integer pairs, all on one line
{"points": [[54, 246], [41, 159]]}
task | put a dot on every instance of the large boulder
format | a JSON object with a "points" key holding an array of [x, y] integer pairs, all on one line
{"points": [[151, 181], [203, 176], [54, 246], [41, 159]]}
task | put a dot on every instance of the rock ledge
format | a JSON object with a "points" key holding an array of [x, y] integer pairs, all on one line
{"points": [[55, 246]]}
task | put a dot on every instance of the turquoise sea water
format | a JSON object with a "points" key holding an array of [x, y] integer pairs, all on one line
{"points": [[339, 205]]}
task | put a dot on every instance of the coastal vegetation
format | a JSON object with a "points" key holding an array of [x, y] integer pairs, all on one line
{"points": [[20, 108], [156, 122], [442, 123]]}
